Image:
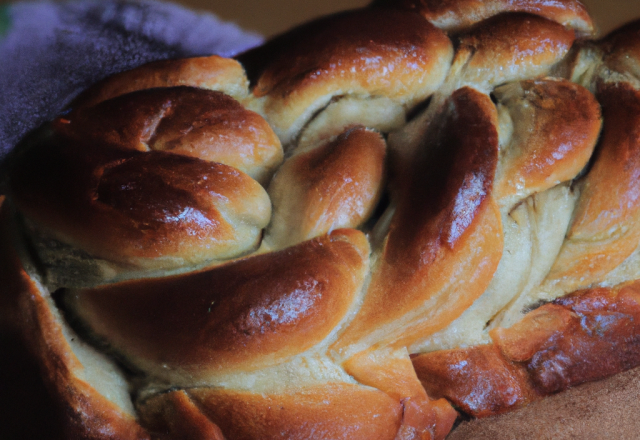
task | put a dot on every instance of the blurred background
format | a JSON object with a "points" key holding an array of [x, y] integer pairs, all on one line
{"points": [[270, 17]]}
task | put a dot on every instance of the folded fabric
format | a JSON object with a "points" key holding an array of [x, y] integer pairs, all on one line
{"points": [[51, 51]]}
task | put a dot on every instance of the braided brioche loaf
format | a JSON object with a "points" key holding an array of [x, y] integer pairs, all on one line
{"points": [[368, 225]]}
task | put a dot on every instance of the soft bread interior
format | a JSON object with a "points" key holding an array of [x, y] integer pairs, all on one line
{"points": [[92, 387]]}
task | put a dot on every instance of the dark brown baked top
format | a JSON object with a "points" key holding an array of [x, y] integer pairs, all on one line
{"points": [[372, 224]]}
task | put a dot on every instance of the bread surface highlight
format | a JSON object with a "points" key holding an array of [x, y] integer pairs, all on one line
{"points": [[368, 227]]}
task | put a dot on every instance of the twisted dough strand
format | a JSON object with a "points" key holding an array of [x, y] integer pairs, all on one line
{"points": [[305, 337]]}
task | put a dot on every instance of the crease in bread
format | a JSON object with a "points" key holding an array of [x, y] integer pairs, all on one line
{"points": [[366, 226]]}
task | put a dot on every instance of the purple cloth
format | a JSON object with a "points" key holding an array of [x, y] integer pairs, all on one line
{"points": [[49, 52]]}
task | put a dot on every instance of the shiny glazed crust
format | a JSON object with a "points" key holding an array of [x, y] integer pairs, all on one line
{"points": [[455, 15], [398, 215], [88, 413]]}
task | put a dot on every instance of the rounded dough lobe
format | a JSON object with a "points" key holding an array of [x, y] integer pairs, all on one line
{"points": [[143, 210], [556, 127], [605, 228], [212, 73], [456, 15], [182, 120], [248, 314], [333, 186], [140, 182], [331, 412], [622, 49], [431, 268], [394, 54], [522, 45]]}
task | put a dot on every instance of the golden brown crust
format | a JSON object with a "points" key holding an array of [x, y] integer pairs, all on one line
{"points": [[212, 73], [610, 184], [333, 411], [605, 230], [252, 313], [333, 45], [362, 52], [91, 187], [175, 416], [546, 150], [456, 15], [539, 326], [622, 49], [87, 413], [602, 339], [478, 380], [523, 45], [335, 185], [393, 373], [444, 212], [586, 336], [192, 122], [282, 344], [131, 207]]}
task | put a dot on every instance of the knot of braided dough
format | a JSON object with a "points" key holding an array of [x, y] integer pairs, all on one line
{"points": [[158, 180], [437, 183]]}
